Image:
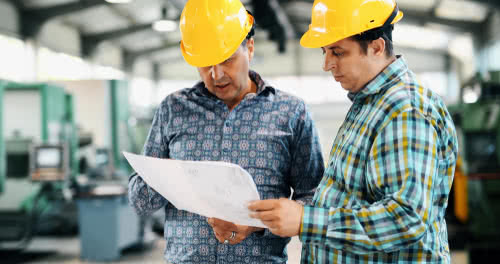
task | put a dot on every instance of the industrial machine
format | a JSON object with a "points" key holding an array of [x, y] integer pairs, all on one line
{"points": [[475, 203], [60, 161], [37, 125], [106, 222]]}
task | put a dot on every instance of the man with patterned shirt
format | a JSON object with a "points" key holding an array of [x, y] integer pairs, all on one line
{"points": [[385, 190], [232, 115]]}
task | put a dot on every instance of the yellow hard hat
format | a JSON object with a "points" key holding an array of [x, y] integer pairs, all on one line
{"points": [[212, 30], [334, 20]]}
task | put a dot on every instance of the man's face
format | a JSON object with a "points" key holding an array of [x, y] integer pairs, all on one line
{"points": [[348, 64], [229, 80]]}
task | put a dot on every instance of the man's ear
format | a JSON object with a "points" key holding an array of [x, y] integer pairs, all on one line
{"points": [[377, 47], [250, 49]]}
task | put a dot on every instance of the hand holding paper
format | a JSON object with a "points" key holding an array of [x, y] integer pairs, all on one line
{"points": [[209, 188]]}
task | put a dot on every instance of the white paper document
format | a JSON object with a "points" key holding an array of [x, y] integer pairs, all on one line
{"points": [[208, 188]]}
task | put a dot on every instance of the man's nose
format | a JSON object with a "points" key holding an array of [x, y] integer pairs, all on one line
{"points": [[217, 72], [328, 63]]}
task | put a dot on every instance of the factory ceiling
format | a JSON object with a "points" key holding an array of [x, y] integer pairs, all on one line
{"points": [[130, 25]]}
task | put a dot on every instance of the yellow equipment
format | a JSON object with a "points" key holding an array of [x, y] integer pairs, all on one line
{"points": [[332, 21], [212, 30]]}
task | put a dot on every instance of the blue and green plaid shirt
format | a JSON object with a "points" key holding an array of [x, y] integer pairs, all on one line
{"points": [[384, 193]]}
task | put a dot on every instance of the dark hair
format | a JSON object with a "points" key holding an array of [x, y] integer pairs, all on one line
{"points": [[250, 33], [368, 36]]}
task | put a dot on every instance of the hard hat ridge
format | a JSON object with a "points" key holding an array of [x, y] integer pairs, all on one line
{"points": [[212, 30]]}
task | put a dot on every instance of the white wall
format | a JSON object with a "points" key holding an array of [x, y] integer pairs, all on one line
{"points": [[92, 108], [26, 119]]}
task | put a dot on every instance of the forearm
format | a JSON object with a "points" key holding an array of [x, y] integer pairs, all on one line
{"points": [[387, 226], [143, 198]]}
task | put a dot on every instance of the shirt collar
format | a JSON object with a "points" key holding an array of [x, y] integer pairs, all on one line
{"points": [[262, 86], [392, 72]]}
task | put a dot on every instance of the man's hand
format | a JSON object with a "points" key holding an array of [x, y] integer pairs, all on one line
{"points": [[223, 230], [282, 217]]}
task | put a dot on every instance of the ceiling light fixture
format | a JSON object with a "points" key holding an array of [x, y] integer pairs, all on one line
{"points": [[119, 1], [164, 24]]}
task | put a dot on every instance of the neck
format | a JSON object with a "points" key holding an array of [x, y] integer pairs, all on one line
{"points": [[251, 87]]}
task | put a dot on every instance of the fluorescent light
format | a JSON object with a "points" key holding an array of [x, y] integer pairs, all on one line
{"points": [[418, 37], [165, 25], [462, 10], [118, 1]]}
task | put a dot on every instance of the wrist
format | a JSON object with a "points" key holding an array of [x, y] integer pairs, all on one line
{"points": [[257, 229]]}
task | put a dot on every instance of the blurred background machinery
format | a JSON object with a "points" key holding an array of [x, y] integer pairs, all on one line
{"points": [[55, 180], [36, 114], [474, 207]]}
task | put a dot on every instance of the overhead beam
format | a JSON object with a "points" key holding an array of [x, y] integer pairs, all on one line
{"points": [[89, 42], [421, 18], [17, 4], [283, 19], [178, 4], [173, 59], [491, 3], [267, 16], [427, 17], [32, 19], [129, 57]]}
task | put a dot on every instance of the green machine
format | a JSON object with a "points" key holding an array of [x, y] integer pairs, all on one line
{"points": [[477, 180], [37, 126], [61, 161], [122, 135], [2, 143]]}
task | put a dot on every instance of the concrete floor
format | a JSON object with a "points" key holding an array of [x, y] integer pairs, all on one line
{"points": [[67, 250]]}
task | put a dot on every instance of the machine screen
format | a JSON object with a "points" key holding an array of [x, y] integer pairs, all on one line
{"points": [[49, 157]]}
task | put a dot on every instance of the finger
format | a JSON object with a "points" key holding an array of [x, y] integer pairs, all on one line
{"points": [[221, 222], [237, 239], [219, 238], [224, 224], [265, 215], [275, 231], [270, 224], [221, 232], [262, 205]]}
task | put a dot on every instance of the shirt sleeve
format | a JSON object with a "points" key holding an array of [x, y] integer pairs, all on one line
{"points": [[143, 198], [307, 166], [401, 169]]}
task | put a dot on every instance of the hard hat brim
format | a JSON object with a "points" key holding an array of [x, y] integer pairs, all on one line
{"points": [[316, 39]]}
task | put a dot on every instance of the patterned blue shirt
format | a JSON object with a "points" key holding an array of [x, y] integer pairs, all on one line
{"points": [[269, 133], [385, 190]]}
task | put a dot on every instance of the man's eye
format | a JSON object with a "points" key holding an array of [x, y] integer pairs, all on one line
{"points": [[337, 54]]}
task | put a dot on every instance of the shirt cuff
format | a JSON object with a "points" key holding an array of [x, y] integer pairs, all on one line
{"points": [[262, 233], [314, 225]]}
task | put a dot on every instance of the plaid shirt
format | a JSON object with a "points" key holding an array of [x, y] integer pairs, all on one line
{"points": [[385, 190]]}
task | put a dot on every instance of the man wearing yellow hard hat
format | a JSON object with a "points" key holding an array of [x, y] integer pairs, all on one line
{"points": [[232, 115], [385, 190]]}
